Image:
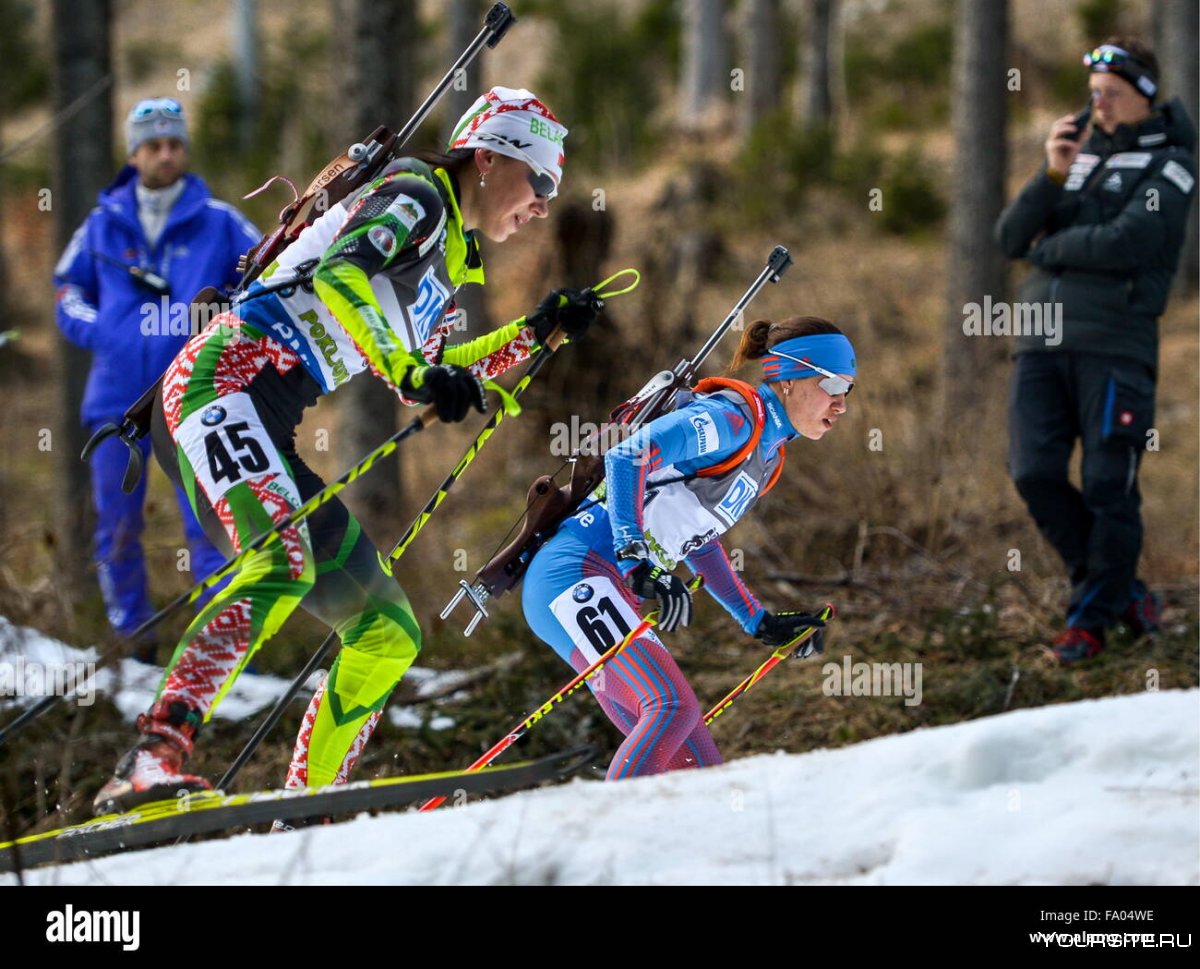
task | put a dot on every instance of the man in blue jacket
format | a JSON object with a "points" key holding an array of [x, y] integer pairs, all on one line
{"points": [[1102, 224], [124, 284]]}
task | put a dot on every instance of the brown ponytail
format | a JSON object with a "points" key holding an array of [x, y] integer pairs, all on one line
{"points": [[761, 335]]}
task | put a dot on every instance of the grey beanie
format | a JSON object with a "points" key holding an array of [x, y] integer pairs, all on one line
{"points": [[155, 118]]}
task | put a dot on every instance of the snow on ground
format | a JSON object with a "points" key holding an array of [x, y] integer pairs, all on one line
{"points": [[33, 665], [1101, 791]]}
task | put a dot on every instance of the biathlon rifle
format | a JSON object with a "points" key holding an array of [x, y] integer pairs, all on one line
{"points": [[548, 505], [354, 168]]}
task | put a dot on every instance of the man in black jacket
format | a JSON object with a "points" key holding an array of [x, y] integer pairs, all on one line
{"points": [[1102, 225]]}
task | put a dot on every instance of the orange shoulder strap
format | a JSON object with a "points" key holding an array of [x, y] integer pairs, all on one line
{"points": [[711, 385], [775, 475]]}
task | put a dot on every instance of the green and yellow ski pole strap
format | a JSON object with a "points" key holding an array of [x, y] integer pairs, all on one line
{"points": [[782, 653], [553, 342], [582, 677]]}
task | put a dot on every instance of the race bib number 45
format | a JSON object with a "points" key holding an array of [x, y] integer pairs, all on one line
{"points": [[226, 444]]}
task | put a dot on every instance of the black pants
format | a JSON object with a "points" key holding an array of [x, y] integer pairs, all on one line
{"points": [[1108, 404]]}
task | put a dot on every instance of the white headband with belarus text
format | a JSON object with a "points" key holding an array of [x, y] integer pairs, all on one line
{"points": [[514, 123]]}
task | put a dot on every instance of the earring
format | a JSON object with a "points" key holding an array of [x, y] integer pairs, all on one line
{"points": [[482, 183]]}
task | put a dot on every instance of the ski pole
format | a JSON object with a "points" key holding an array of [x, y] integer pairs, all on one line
{"points": [[553, 342], [522, 728], [273, 717], [783, 652], [268, 724]]}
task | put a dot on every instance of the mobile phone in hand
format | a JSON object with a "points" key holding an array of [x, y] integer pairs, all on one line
{"points": [[1081, 122]]}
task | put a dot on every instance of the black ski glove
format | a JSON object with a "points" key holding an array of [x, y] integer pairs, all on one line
{"points": [[674, 599], [780, 628], [452, 390], [568, 308]]}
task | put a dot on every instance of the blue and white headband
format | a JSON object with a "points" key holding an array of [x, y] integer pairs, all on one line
{"points": [[787, 359]]}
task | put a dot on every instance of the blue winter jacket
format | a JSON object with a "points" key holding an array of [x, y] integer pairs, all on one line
{"points": [[133, 331]]}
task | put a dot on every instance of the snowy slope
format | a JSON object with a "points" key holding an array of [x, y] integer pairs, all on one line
{"points": [[1102, 791], [33, 665]]}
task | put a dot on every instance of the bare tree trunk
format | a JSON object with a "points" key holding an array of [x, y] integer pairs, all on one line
{"points": [[818, 76], [763, 39], [583, 238], [977, 267], [5, 310], [465, 21], [705, 74], [380, 82], [245, 66], [1177, 56], [83, 164]]}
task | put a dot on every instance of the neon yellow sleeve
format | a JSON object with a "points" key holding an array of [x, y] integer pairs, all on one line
{"points": [[465, 354], [494, 353]]}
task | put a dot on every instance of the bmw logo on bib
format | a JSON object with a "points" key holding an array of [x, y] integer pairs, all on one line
{"points": [[213, 415], [582, 592]]}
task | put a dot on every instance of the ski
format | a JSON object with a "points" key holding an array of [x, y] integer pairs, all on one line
{"points": [[210, 811]]}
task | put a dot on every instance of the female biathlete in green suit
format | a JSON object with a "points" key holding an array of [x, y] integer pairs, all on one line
{"points": [[374, 280]]}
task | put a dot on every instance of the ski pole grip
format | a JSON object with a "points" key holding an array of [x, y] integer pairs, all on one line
{"points": [[555, 339], [498, 20]]}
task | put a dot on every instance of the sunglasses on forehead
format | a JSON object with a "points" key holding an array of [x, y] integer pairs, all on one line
{"points": [[1107, 58], [831, 383], [1107, 55], [540, 180], [167, 107]]}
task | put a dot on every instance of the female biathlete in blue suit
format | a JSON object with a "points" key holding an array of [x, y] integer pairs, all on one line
{"points": [[671, 490]]}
